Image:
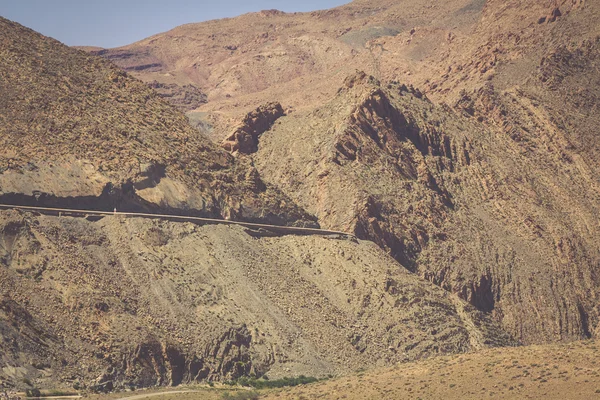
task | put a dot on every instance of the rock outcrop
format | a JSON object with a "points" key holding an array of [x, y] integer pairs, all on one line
{"points": [[244, 138], [423, 182]]}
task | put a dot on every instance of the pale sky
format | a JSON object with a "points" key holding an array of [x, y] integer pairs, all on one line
{"points": [[113, 23]]}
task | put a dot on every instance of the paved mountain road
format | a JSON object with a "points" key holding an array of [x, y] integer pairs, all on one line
{"points": [[258, 228]]}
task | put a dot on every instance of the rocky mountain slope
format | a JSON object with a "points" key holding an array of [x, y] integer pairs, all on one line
{"points": [[117, 303], [551, 371], [299, 59], [471, 155], [78, 132], [459, 137], [497, 227], [131, 303]]}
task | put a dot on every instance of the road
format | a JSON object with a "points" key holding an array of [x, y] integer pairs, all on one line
{"points": [[289, 230]]}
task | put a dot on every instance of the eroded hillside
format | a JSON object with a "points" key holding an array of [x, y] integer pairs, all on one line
{"points": [[451, 199], [101, 304], [471, 156], [78, 132], [467, 150], [132, 302], [299, 59]]}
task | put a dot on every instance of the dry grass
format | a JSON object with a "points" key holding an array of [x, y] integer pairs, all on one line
{"points": [[534, 372]]}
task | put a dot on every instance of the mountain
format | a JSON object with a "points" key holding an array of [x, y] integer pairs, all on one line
{"points": [[457, 142], [100, 304], [298, 59], [78, 132], [132, 303], [465, 146]]}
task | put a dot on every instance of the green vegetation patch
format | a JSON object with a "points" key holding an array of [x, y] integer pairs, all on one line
{"points": [[271, 384]]}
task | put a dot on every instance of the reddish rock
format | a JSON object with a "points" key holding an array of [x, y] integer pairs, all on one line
{"points": [[245, 137]]}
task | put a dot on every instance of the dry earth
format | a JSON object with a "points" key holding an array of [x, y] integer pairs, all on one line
{"points": [[133, 303], [467, 150], [78, 132], [471, 156], [553, 372], [513, 231], [136, 303]]}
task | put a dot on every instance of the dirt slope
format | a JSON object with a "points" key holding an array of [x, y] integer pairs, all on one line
{"points": [[122, 303], [536, 372], [467, 150], [298, 59], [134, 302]]}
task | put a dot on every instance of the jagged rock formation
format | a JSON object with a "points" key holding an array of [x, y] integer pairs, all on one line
{"points": [[419, 180], [132, 303], [244, 138]]}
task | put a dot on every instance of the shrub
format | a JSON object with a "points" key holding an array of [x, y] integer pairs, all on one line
{"points": [[33, 392], [269, 384]]}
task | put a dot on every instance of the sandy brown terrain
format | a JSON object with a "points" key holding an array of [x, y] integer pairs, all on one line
{"points": [[77, 131], [301, 59], [537, 372], [133, 303], [457, 141], [467, 149]]}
